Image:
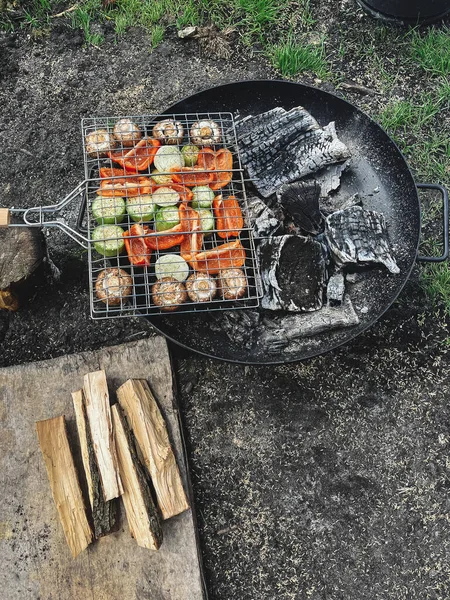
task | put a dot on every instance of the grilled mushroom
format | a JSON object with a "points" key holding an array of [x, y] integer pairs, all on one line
{"points": [[113, 286], [168, 131], [232, 283], [201, 287], [205, 133], [168, 294], [99, 143], [126, 132]]}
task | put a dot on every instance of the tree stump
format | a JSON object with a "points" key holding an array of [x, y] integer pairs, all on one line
{"points": [[22, 250]]}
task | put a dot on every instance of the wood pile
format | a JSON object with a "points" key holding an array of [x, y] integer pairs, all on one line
{"points": [[125, 453]]}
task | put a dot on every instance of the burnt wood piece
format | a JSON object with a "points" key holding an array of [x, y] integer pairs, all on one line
{"points": [[335, 289], [300, 201], [329, 178], [22, 251], [359, 236], [104, 514], [142, 515], [150, 430], [64, 483], [281, 333], [261, 218], [99, 416], [292, 272]]}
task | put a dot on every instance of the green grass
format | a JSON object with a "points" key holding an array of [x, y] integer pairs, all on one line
{"points": [[432, 50], [291, 58]]}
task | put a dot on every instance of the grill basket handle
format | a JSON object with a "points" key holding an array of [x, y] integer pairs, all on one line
{"points": [[444, 255]]}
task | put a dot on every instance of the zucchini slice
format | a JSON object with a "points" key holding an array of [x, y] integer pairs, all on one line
{"points": [[166, 196], [171, 265], [108, 211], [168, 157], [141, 208], [166, 218], [108, 240], [206, 218], [203, 196]]}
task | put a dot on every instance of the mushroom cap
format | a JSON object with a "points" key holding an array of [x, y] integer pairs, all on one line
{"points": [[205, 133], [168, 294], [113, 285], [201, 287], [126, 132], [232, 283], [168, 131], [99, 142]]}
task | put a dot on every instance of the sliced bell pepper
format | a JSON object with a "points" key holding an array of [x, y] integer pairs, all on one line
{"points": [[229, 216], [186, 194], [191, 224], [192, 176], [155, 241], [128, 186], [224, 169], [138, 158], [137, 250], [106, 173], [207, 159], [227, 256]]}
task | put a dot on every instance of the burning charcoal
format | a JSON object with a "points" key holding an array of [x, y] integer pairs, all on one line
{"points": [[292, 273], [291, 328], [356, 235], [301, 202], [261, 218], [335, 289]]}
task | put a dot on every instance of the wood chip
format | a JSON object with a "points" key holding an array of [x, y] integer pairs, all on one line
{"points": [[99, 415], [147, 423], [142, 515], [64, 483]]}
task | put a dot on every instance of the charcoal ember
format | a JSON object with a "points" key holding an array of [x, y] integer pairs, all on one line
{"points": [[356, 235], [239, 325], [288, 329], [335, 289], [300, 201], [261, 218], [293, 273], [251, 122], [338, 202]]}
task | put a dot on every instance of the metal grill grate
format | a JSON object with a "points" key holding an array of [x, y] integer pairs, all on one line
{"points": [[132, 288]]}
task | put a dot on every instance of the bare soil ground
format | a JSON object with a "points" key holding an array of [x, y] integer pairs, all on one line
{"points": [[324, 480]]}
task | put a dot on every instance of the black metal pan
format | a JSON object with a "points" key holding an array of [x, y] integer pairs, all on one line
{"points": [[379, 173]]}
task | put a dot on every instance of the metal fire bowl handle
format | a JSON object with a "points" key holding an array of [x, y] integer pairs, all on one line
{"points": [[444, 255], [46, 216]]}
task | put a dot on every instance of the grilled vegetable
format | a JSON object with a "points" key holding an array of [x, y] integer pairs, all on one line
{"points": [[99, 143], [168, 158], [128, 186], [206, 219], [141, 208], [184, 192], [226, 256], [205, 133], [138, 158], [166, 196], [190, 155], [203, 196], [137, 249], [229, 216], [207, 159], [166, 218], [113, 286], [201, 288], [173, 266], [108, 210], [171, 238], [161, 179], [192, 176], [108, 240], [168, 294], [232, 284], [126, 132], [168, 131], [191, 224], [107, 173]]}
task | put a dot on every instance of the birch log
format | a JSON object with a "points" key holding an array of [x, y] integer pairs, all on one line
{"points": [[64, 483]]}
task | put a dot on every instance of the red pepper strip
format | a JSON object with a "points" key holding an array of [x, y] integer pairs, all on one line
{"points": [[186, 194], [207, 159], [170, 238], [191, 225], [129, 186], [224, 163], [137, 250], [106, 173], [229, 216], [227, 256], [138, 158], [192, 176]]}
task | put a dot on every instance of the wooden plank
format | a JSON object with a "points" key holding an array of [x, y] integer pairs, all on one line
{"points": [[64, 484], [149, 428], [5, 217], [34, 559], [142, 515], [104, 514], [99, 415]]}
